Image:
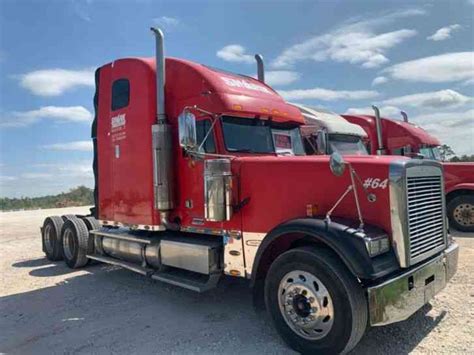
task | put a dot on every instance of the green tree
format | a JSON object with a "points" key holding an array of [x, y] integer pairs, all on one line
{"points": [[78, 196], [463, 158], [446, 152]]}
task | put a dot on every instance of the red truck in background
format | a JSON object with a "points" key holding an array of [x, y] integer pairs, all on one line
{"points": [[396, 137], [202, 173]]}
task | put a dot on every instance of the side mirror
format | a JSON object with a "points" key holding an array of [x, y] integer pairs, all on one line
{"points": [[187, 130], [337, 164], [322, 141]]}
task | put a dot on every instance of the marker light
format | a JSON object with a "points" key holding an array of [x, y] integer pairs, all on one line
{"points": [[377, 245]]}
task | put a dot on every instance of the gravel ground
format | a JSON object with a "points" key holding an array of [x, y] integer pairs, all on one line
{"points": [[47, 308]]}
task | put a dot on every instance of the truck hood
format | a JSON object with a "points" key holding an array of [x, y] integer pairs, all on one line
{"points": [[285, 186]]}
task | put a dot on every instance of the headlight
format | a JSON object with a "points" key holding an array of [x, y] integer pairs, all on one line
{"points": [[377, 245]]}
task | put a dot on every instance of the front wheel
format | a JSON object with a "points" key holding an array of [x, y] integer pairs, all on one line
{"points": [[461, 213], [316, 305]]}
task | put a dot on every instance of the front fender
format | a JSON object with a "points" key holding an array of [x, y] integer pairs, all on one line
{"points": [[464, 186], [337, 235]]}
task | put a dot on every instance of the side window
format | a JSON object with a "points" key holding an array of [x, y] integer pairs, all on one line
{"points": [[398, 151], [202, 127], [120, 94]]}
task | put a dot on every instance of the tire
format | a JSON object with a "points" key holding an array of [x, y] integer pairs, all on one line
{"points": [[91, 223], [75, 238], [68, 216], [461, 213], [51, 238], [314, 286]]}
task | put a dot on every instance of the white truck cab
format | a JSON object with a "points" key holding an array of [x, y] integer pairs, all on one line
{"points": [[326, 132]]}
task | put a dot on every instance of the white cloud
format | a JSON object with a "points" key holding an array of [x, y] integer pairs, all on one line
{"points": [[327, 95], [385, 111], [50, 178], [379, 80], [469, 81], [447, 67], [166, 21], [54, 82], [37, 176], [435, 100], [83, 169], [454, 128], [57, 113], [444, 33], [5, 178], [235, 53], [83, 146], [281, 77], [355, 42]]}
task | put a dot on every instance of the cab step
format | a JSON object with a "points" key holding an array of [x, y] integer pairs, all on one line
{"points": [[178, 277], [188, 279]]}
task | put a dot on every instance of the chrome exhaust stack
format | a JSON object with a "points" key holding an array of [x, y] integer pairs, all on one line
{"points": [[404, 115], [162, 142], [260, 68], [378, 126]]}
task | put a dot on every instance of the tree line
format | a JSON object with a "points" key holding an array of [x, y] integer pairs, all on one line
{"points": [[78, 196], [448, 154]]}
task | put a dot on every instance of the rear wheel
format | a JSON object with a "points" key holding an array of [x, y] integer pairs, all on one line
{"points": [[51, 238], [91, 223], [75, 239], [461, 213], [317, 306]]}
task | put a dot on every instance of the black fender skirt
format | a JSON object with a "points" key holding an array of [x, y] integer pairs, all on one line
{"points": [[340, 236]]}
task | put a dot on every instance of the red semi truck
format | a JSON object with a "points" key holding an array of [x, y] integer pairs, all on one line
{"points": [[396, 137], [201, 173]]}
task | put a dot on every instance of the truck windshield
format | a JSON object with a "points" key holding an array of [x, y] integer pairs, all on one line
{"points": [[346, 144], [431, 153], [260, 136]]}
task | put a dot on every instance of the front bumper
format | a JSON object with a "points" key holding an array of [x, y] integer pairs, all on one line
{"points": [[398, 298]]}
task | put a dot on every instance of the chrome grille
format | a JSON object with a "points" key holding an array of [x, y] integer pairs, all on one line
{"points": [[425, 210]]}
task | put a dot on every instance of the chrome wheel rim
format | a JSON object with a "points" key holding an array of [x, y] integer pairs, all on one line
{"points": [[306, 305], [49, 239], [68, 244], [464, 214]]}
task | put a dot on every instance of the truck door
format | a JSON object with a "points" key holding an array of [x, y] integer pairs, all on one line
{"points": [[193, 174]]}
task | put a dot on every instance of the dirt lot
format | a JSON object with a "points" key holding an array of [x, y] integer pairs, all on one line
{"points": [[47, 308]]}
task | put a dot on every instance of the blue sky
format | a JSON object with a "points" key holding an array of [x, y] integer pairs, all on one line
{"points": [[343, 55]]}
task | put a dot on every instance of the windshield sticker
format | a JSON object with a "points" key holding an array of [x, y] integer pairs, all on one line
{"points": [[282, 141], [239, 83]]}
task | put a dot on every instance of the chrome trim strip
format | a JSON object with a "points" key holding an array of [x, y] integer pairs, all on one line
{"points": [[398, 211], [144, 227]]}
